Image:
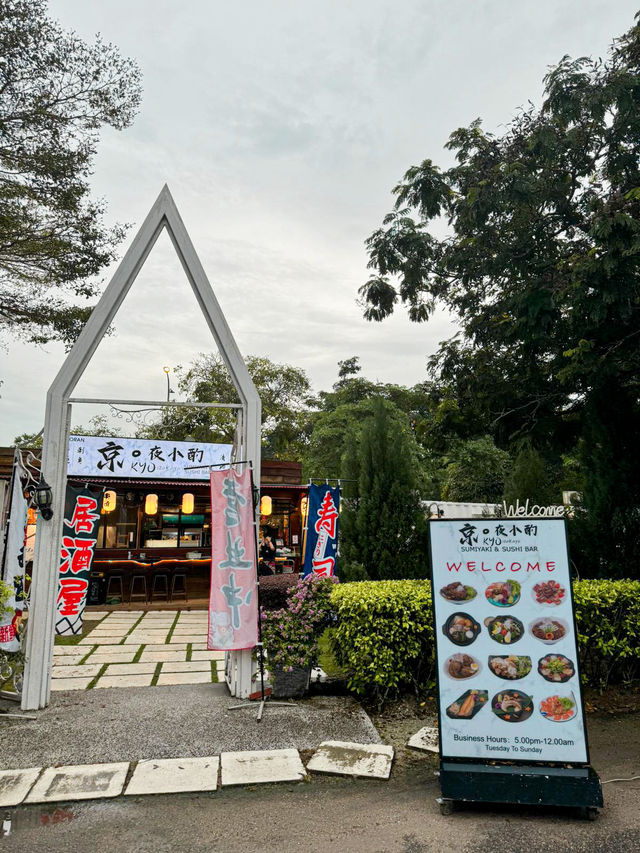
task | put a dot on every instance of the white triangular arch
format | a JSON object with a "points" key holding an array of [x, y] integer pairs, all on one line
{"points": [[163, 214]]}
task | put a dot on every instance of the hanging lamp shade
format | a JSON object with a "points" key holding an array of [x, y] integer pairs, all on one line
{"points": [[109, 501], [151, 504], [188, 503], [266, 505]]}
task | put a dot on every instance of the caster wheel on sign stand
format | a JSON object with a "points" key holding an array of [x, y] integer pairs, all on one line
{"points": [[446, 806], [590, 813]]}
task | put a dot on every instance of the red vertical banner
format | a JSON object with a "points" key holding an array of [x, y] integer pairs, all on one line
{"points": [[79, 533], [233, 601]]}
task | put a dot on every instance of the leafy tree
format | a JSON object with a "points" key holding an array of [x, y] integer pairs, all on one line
{"points": [[286, 404], [56, 92], [605, 538], [383, 525], [531, 479], [347, 368], [98, 425], [541, 265], [350, 403], [476, 472]]}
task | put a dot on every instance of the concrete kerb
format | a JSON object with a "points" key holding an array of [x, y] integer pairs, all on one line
{"points": [[191, 774]]}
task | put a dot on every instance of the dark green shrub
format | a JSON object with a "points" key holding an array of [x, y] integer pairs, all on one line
{"points": [[351, 572], [384, 636], [274, 590], [384, 639], [608, 618]]}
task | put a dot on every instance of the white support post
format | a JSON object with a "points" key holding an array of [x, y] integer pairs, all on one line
{"points": [[40, 632], [44, 583]]}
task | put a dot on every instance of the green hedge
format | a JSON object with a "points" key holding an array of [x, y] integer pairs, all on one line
{"points": [[384, 639]]}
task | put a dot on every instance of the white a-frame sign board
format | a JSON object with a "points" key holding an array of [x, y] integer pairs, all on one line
{"points": [[40, 633]]}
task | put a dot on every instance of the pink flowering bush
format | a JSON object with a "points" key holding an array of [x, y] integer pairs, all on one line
{"points": [[290, 635]]}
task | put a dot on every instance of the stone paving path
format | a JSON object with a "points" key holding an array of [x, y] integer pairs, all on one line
{"points": [[66, 783], [139, 649]]}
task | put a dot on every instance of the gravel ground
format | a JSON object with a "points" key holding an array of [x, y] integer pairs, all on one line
{"points": [[335, 815], [325, 814], [88, 726]]}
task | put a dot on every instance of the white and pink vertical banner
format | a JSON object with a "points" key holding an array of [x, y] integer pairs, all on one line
{"points": [[233, 601], [11, 619]]}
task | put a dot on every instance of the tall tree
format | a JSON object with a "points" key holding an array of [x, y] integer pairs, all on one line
{"points": [[284, 390], [476, 471], [56, 92], [530, 479], [350, 403], [383, 524], [98, 425], [541, 265]]}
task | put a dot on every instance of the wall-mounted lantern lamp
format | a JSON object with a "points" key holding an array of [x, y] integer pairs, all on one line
{"points": [[43, 498], [188, 503]]}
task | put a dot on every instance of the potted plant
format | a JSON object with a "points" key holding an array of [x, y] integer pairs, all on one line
{"points": [[290, 635]]}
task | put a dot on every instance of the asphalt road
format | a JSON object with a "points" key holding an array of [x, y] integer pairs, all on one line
{"points": [[334, 814]]}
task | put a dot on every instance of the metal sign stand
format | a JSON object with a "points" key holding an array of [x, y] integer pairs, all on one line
{"points": [[264, 700], [489, 780]]}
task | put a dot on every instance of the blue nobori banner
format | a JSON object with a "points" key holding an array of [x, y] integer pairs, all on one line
{"points": [[321, 545]]}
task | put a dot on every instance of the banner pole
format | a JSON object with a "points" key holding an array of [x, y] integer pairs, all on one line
{"points": [[304, 529]]}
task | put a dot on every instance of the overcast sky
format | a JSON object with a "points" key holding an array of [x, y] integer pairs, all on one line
{"points": [[280, 127]]}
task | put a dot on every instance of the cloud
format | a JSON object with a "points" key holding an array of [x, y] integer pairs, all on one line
{"points": [[281, 128]]}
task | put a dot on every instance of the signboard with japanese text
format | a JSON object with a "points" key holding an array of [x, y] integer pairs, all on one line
{"points": [[506, 650], [14, 567], [79, 532], [111, 456], [233, 602], [321, 543]]}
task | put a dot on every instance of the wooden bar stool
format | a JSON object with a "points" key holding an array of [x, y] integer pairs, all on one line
{"points": [[179, 586], [115, 581], [160, 586], [141, 593]]}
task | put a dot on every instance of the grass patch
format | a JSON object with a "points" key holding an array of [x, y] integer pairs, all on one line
{"points": [[326, 660], [138, 654], [173, 627], [93, 681], [156, 674], [68, 640], [74, 639]]}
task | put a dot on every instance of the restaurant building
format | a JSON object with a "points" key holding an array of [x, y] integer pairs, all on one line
{"points": [[154, 537]]}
